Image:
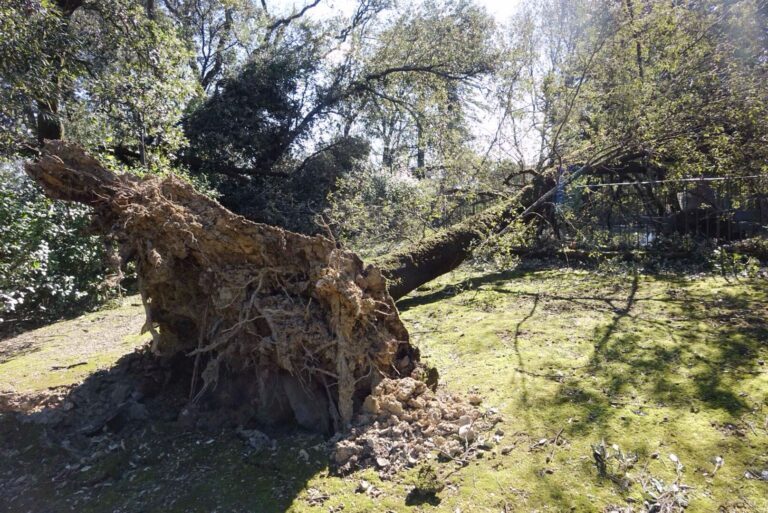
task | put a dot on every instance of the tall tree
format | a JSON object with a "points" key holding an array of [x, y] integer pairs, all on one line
{"points": [[105, 73]]}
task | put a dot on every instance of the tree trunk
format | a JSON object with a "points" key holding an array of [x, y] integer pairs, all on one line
{"points": [[49, 126], [420, 263]]}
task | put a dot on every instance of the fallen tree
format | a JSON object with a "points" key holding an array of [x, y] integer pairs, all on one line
{"points": [[420, 263], [284, 325], [313, 325]]}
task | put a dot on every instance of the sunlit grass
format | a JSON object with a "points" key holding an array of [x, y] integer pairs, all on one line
{"points": [[657, 365]]}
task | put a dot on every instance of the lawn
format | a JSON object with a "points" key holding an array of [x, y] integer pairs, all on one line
{"points": [[668, 370]]}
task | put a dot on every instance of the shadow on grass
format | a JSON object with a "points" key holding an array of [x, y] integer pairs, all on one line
{"points": [[454, 289], [703, 361], [676, 346], [417, 498], [114, 444], [11, 349]]}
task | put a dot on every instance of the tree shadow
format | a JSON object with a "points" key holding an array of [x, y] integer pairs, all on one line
{"points": [[454, 289], [619, 315], [700, 346], [521, 368], [12, 348], [703, 361], [120, 442]]}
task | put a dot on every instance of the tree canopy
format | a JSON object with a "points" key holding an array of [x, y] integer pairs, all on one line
{"points": [[380, 124]]}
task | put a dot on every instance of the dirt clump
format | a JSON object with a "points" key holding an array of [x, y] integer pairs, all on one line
{"points": [[404, 422], [287, 325]]}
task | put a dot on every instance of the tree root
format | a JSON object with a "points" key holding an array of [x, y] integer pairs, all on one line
{"points": [[295, 326]]}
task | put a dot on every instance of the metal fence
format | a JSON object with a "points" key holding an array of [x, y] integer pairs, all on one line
{"points": [[633, 214]]}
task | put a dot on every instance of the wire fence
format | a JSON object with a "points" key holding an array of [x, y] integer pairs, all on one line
{"points": [[634, 214]]}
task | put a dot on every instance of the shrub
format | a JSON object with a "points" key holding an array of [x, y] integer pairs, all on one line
{"points": [[50, 266]]}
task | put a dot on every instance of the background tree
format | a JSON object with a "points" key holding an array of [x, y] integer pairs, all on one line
{"points": [[292, 101]]}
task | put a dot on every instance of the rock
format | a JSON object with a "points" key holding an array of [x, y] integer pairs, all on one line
{"points": [[464, 420], [120, 392], [466, 433], [137, 411], [309, 405], [188, 417], [371, 405], [411, 422], [344, 451], [392, 406], [255, 438], [416, 403], [453, 448], [474, 399], [405, 389]]}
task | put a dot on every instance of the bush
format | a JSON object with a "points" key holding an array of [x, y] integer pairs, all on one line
{"points": [[372, 211], [50, 266]]}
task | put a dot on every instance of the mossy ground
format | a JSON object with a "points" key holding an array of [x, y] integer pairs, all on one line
{"points": [[66, 352], [656, 364]]}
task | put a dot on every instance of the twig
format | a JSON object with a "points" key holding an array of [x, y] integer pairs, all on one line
{"points": [[61, 367], [554, 445]]}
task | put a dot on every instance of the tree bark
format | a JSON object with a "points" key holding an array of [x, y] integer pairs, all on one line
{"points": [[417, 264], [49, 125], [420, 263]]}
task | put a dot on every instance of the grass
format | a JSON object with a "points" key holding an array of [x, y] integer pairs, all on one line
{"points": [[653, 364], [657, 365], [67, 352]]}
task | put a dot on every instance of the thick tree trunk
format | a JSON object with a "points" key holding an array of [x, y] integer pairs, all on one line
{"points": [[420, 263], [415, 265]]}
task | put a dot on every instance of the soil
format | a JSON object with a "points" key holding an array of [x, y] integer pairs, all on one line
{"points": [[264, 323]]}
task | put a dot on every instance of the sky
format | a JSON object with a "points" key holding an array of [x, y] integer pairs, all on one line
{"points": [[500, 9]]}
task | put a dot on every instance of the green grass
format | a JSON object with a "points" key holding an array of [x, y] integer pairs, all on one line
{"points": [[658, 365], [67, 352], [653, 364]]}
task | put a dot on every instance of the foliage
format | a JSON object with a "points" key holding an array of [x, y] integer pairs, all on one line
{"points": [[49, 266], [27, 30], [661, 77], [312, 87], [421, 116], [104, 73], [142, 87], [296, 201], [400, 118], [374, 211], [252, 121]]}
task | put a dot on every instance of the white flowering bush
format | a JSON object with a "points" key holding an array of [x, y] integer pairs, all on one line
{"points": [[50, 266]]}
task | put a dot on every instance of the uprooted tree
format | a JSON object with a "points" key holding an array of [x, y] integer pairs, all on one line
{"points": [[302, 329]]}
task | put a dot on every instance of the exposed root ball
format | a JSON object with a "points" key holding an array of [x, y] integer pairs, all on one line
{"points": [[280, 323]]}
